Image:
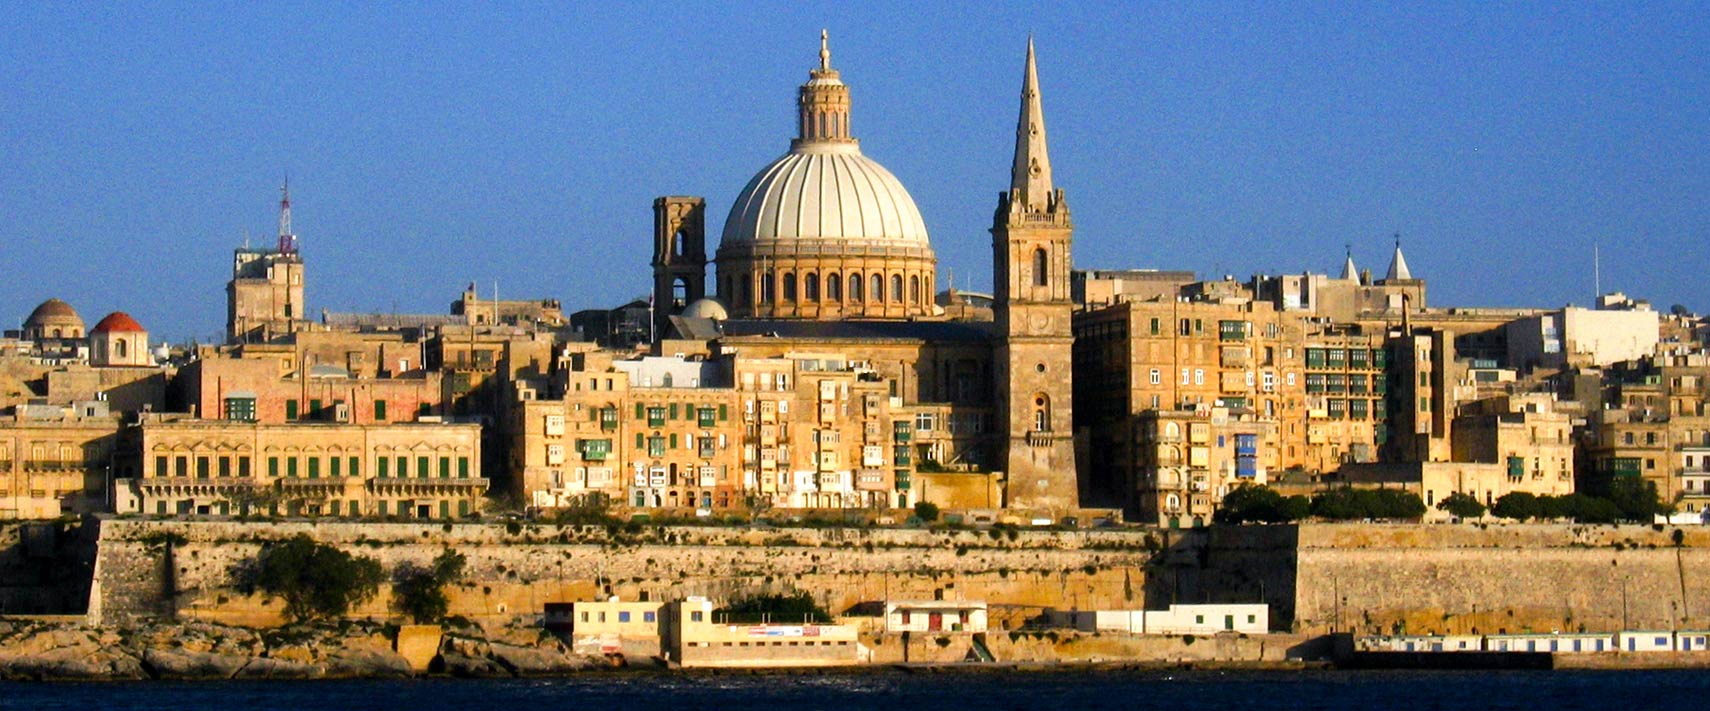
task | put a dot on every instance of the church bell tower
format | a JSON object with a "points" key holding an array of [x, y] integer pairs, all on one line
{"points": [[1031, 234], [679, 257]]}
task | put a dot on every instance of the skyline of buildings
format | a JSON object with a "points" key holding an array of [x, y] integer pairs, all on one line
{"points": [[817, 366], [1272, 169]]}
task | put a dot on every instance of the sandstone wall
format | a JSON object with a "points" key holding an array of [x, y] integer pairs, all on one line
{"points": [[151, 569], [1538, 578]]}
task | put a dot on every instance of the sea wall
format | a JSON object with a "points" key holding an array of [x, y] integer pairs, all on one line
{"points": [[1446, 578], [1365, 578], [190, 570]]}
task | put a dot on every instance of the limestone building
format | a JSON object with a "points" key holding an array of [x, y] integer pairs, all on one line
{"points": [[118, 340], [824, 251], [264, 299], [222, 467]]}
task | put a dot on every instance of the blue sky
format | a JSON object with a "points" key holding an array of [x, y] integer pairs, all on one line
{"points": [[433, 144]]}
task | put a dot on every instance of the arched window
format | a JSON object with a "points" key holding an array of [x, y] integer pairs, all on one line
{"points": [[810, 286], [742, 293], [1040, 265], [878, 290], [833, 287], [1041, 413], [119, 348], [822, 125], [914, 289], [896, 288], [834, 125], [1172, 430], [789, 286], [1172, 502], [854, 287], [677, 241], [768, 288]]}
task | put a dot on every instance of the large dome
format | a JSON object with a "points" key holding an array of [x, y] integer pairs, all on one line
{"points": [[825, 191]]}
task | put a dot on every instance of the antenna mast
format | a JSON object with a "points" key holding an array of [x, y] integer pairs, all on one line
{"points": [[287, 240]]}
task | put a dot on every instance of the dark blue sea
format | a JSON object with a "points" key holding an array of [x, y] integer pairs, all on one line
{"points": [[943, 691]]}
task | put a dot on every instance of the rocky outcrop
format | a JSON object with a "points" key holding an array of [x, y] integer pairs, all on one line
{"points": [[65, 651]]}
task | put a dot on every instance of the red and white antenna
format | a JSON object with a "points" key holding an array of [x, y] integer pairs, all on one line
{"points": [[287, 240]]}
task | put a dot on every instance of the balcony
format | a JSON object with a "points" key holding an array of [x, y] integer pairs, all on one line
{"points": [[425, 485]]}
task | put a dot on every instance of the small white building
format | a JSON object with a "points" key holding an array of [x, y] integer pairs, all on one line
{"points": [[935, 616], [1179, 619], [1557, 642], [1420, 643]]}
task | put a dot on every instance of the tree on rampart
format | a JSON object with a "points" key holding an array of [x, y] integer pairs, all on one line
{"points": [[1348, 504], [1461, 505], [1261, 504], [420, 592], [317, 581]]}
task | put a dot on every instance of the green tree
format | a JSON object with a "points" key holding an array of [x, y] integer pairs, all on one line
{"points": [[420, 592], [1517, 505], [1461, 505], [793, 607], [316, 580], [1260, 504], [1634, 497], [927, 511]]}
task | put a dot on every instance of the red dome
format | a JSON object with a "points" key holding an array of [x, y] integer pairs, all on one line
{"points": [[118, 322]]}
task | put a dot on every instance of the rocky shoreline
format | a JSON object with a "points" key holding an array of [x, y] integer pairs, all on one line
{"points": [[43, 651]]}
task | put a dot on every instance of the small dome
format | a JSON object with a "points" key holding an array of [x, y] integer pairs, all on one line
{"points": [[53, 311], [825, 191], [708, 308], [118, 322]]}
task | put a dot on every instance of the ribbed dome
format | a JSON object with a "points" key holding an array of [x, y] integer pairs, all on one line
{"points": [[53, 312], [825, 191]]}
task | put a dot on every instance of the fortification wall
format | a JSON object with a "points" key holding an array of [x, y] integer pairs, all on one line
{"points": [[1461, 578], [152, 569]]}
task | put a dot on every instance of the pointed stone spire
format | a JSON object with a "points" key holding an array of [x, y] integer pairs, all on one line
{"points": [[1348, 271], [1031, 174], [1398, 265]]}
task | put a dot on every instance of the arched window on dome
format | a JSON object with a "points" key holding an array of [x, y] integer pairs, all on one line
{"points": [[742, 293], [1041, 263], [789, 286], [810, 287], [822, 133], [833, 287], [119, 348], [914, 289], [855, 287], [878, 290], [677, 241], [896, 288], [1041, 413], [768, 288]]}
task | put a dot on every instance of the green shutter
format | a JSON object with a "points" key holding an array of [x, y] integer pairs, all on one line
{"points": [[445, 467], [382, 464], [640, 411], [640, 440], [422, 470], [291, 409], [463, 467], [380, 410], [723, 414], [355, 467]]}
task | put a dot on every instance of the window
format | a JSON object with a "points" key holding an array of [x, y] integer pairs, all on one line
{"points": [[1157, 376], [623, 616], [240, 408], [380, 410], [1041, 265], [291, 409], [1154, 327], [382, 465], [896, 288]]}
